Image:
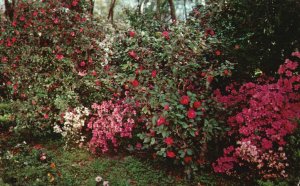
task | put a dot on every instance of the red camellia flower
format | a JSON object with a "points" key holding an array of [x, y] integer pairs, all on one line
{"points": [[59, 56], [74, 3], [135, 83], [210, 32], [22, 18], [133, 55], [226, 72], [218, 52], [153, 73], [35, 13], [210, 79], [166, 34], [46, 116], [185, 100], [187, 159], [14, 23], [13, 39], [98, 83], [94, 73], [197, 104], [171, 154], [169, 141], [166, 107], [131, 33], [82, 64], [161, 121], [191, 114]]}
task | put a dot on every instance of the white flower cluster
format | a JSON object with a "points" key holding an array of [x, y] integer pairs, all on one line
{"points": [[74, 121]]}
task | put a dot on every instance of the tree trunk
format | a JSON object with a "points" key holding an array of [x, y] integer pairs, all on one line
{"points": [[172, 10], [185, 12], [92, 8], [158, 9], [111, 11], [9, 9]]}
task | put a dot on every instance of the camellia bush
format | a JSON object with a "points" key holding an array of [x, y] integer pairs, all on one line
{"points": [[262, 116], [48, 53], [166, 77]]}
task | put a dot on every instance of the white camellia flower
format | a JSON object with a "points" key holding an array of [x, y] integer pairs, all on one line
{"points": [[98, 179]]}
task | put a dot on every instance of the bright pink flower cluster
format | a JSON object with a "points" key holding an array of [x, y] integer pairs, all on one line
{"points": [[111, 119], [265, 114]]}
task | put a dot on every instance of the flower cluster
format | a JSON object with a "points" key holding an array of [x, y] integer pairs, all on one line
{"points": [[265, 114], [111, 119], [74, 120]]}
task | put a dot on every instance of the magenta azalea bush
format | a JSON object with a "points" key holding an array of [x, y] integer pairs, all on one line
{"points": [[263, 115]]}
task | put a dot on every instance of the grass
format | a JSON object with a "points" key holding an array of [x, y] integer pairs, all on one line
{"points": [[79, 167]]}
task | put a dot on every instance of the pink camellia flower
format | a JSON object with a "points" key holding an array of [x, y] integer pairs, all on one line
{"points": [[153, 73], [56, 20], [82, 64], [43, 157], [8, 83], [135, 83], [169, 141], [133, 55], [59, 56], [82, 73], [185, 100], [72, 34], [138, 146], [131, 33], [171, 154], [191, 114], [197, 104], [166, 34], [161, 121], [4, 59]]}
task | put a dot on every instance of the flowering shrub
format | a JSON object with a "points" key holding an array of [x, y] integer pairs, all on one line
{"points": [[111, 119], [263, 115], [48, 53], [168, 76], [73, 123]]}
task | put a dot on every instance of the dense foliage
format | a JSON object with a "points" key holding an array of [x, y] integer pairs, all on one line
{"points": [[45, 51], [148, 87], [255, 40]]}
